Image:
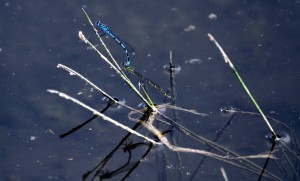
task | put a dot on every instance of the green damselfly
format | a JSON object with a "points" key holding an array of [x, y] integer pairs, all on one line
{"points": [[144, 79]]}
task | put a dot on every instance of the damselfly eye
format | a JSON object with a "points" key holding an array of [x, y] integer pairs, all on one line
{"points": [[97, 24]]}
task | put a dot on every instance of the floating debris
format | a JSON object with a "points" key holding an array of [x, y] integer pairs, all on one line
{"points": [[49, 131], [32, 138], [212, 16], [190, 28], [193, 61]]}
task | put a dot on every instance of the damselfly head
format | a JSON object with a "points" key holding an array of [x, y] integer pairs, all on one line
{"points": [[98, 24]]}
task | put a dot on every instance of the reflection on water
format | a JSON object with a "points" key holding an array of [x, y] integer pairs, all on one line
{"points": [[260, 37]]}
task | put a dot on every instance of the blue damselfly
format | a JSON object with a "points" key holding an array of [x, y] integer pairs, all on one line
{"points": [[104, 30]]}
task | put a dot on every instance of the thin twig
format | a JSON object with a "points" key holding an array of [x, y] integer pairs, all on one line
{"points": [[95, 112]]}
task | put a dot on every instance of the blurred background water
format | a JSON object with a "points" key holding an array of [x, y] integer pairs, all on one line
{"points": [[261, 38]]}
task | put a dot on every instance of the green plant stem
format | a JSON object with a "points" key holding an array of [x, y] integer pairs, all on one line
{"points": [[227, 60], [115, 65]]}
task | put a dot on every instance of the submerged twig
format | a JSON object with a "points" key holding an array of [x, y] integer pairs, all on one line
{"points": [[165, 141]]}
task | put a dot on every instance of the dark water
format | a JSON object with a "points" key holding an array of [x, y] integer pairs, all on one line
{"points": [[261, 38]]}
